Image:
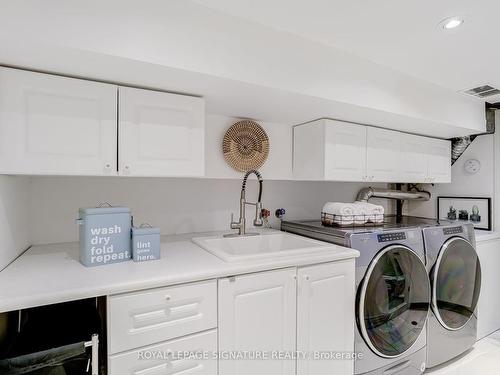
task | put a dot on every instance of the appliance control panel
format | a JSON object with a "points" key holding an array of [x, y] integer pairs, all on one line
{"points": [[393, 236], [453, 230]]}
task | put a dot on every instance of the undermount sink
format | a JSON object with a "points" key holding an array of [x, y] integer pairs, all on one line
{"points": [[269, 245]]}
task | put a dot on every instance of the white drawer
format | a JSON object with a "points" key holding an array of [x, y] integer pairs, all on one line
{"points": [[155, 359], [157, 315]]}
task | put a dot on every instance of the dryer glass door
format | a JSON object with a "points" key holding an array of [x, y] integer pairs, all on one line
{"points": [[456, 282], [393, 301]]}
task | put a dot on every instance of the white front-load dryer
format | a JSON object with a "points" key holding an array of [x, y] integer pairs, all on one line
{"points": [[455, 275], [393, 301]]}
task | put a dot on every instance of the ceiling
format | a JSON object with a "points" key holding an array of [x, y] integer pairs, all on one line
{"points": [[400, 34]]}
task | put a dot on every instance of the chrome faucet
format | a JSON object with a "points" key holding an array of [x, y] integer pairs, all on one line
{"points": [[241, 223]]}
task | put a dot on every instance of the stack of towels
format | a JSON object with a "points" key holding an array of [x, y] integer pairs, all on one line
{"points": [[357, 213]]}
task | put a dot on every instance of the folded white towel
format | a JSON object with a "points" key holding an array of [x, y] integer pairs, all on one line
{"points": [[374, 212], [337, 208], [362, 216], [343, 213], [357, 213]]}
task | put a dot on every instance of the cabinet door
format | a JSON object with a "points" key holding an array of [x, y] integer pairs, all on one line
{"points": [[382, 155], [161, 134], [167, 358], [325, 317], [345, 151], [413, 158], [488, 307], [257, 314], [439, 160], [56, 125]]}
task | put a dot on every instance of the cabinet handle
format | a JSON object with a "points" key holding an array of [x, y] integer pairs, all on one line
{"points": [[306, 277], [167, 298], [107, 167]]}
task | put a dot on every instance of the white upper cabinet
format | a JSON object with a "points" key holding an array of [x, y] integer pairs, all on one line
{"points": [[345, 151], [160, 134], [325, 317], [329, 150], [56, 125], [340, 151], [425, 159], [382, 155], [52, 125], [413, 159], [439, 160], [257, 312]]}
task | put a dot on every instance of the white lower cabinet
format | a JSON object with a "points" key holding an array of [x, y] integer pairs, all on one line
{"points": [[257, 315], [325, 317], [308, 313], [488, 316], [291, 321], [175, 357], [156, 315]]}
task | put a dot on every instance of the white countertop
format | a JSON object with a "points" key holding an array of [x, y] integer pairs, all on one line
{"points": [[47, 274], [485, 235]]}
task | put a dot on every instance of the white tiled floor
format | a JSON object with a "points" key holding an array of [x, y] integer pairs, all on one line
{"points": [[483, 359]]}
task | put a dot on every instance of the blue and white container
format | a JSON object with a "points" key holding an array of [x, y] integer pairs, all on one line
{"points": [[104, 235], [145, 243]]}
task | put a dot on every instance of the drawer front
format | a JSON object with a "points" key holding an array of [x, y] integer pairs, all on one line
{"points": [[169, 358], [144, 318]]}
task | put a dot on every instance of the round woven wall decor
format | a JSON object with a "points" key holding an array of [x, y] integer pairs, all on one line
{"points": [[245, 146]]}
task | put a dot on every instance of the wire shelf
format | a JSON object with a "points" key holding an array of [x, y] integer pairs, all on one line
{"points": [[332, 220]]}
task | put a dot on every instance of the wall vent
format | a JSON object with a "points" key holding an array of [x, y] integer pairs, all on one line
{"points": [[483, 92]]}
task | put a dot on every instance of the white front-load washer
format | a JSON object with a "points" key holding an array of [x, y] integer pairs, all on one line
{"points": [[392, 289], [393, 301], [455, 276]]}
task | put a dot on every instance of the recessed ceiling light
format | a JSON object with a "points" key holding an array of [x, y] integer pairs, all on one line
{"points": [[451, 23]]}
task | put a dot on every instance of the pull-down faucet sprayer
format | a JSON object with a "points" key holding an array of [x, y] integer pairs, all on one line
{"points": [[241, 223]]}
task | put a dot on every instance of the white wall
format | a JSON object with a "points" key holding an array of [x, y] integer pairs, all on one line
{"points": [[481, 184], [243, 68], [175, 205], [14, 217]]}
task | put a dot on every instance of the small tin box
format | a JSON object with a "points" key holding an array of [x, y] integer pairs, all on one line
{"points": [[145, 243], [104, 235]]}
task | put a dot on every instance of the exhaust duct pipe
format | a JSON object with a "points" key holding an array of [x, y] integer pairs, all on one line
{"points": [[460, 144], [366, 193]]}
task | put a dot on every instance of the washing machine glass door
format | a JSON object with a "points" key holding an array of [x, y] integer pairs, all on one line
{"points": [[393, 301], [456, 282]]}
